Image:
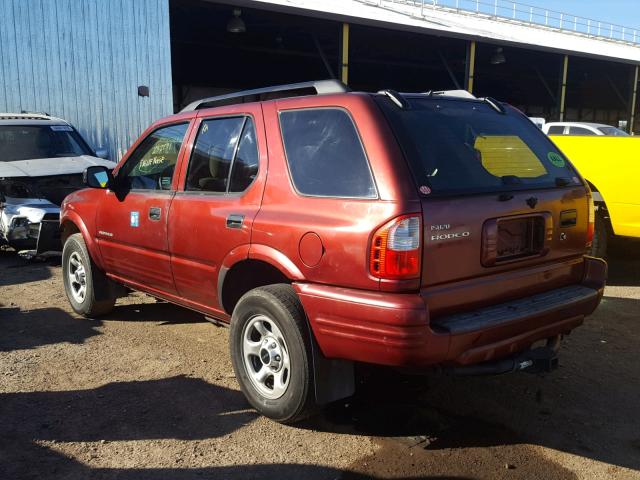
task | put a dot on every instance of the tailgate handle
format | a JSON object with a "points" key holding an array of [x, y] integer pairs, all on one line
{"points": [[568, 218]]}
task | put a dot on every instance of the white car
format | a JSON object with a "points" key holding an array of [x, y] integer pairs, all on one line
{"points": [[582, 128], [42, 159]]}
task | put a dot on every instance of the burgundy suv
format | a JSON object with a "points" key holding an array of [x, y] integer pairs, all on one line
{"points": [[330, 227]]}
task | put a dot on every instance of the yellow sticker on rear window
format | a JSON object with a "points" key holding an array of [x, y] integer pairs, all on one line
{"points": [[508, 155]]}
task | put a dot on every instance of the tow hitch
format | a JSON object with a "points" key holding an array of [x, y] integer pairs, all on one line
{"points": [[537, 360]]}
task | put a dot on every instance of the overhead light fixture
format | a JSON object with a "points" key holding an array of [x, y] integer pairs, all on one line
{"points": [[235, 23], [498, 57]]}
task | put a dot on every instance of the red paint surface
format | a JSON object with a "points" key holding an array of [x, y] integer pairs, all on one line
{"points": [[353, 314]]}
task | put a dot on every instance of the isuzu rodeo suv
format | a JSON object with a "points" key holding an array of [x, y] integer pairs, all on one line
{"points": [[329, 227]]}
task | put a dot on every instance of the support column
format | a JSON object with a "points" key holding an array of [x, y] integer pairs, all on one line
{"points": [[634, 97], [563, 88], [345, 54], [471, 66]]}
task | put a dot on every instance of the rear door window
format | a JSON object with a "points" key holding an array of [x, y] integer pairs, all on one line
{"points": [[325, 155], [463, 146], [225, 156]]}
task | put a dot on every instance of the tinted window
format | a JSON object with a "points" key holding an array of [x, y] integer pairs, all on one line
{"points": [[245, 165], [580, 131], [325, 155], [213, 153], [613, 132], [463, 146], [151, 166], [556, 130], [27, 142]]}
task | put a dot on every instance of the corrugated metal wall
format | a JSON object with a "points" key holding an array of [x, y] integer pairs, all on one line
{"points": [[83, 60]]}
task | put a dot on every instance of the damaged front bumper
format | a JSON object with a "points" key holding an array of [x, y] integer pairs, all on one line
{"points": [[30, 224]]}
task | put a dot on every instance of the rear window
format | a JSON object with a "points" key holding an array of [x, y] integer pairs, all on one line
{"points": [[613, 132], [325, 155], [461, 146]]}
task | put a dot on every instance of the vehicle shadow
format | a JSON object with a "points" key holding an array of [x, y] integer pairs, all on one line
{"points": [[15, 270], [624, 263], [161, 312], [180, 408], [24, 329], [588, 407], [52, 465]]}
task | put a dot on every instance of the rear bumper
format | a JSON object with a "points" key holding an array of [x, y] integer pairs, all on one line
{"points": [[396, 329]]}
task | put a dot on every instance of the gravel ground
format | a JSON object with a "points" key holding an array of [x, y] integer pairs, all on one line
{"points": [[148, 392]]}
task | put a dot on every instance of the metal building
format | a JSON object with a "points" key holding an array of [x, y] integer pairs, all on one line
{"points": [[89, 61], [83, 60]]}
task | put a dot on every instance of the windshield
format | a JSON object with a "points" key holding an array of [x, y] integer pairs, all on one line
{"points": [[461, 146], [613, 132], [27, 142]]}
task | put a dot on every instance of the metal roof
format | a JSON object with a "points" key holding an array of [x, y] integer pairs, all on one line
{"points": [[436, 17]]}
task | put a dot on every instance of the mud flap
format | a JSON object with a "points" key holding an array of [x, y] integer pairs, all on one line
{"points": [[333, 379]]}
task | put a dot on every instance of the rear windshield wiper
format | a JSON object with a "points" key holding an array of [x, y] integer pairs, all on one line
{"points": [[562, 181]]}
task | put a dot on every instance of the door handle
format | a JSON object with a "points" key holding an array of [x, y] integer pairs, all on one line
{"points": [[235, 221], [155, 213]]}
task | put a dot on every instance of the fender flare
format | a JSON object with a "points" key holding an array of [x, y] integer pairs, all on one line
{"points": [[236, 255], [75, 219], [278, 260], [262, 253]]}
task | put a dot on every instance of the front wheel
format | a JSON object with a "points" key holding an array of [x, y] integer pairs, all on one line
{"points": [[88, 289], [271, 353]]}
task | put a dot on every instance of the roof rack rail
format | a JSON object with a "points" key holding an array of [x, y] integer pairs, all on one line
{"points": [[319, 87], [455, 93], [25, 116], [395, 97]]}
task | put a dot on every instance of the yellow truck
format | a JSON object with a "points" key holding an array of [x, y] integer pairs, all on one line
{"points": [[611, 165]]}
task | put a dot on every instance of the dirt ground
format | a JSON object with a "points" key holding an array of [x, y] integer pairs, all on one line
{"points": [[148, 393]]}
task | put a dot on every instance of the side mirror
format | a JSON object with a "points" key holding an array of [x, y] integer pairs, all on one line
{"points": [[97, 177], [102, 153]]}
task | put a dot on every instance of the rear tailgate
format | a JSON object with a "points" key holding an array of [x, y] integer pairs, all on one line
{"points": [[504, 214], [483, 249]]}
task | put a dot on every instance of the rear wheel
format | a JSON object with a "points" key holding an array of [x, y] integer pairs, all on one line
{"points": [[88, 289], [271, 353], [601, 235]]}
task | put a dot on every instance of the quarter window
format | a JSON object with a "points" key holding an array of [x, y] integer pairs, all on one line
{"points": [[325, 155], [556, 130], [152, 165], [225, 156]]}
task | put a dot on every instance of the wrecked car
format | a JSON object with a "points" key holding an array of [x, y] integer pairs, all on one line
{"points": [[41, 161]]}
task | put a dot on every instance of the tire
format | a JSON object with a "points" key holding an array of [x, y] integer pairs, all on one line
{"points": [[601, 235], [96, 296], [271, 353]]}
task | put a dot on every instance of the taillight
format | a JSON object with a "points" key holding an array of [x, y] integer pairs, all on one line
{"points": [[591, 226], [396, 248]]}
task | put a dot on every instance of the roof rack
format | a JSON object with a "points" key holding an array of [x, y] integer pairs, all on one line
{"points": [[25, 116], [455, 93], [319, 87]]}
